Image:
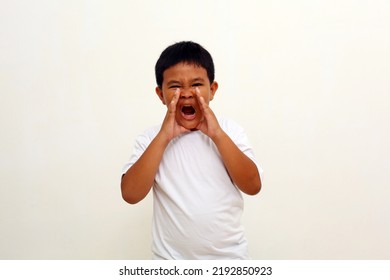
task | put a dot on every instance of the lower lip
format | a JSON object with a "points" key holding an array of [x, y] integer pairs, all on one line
{"points": [[188, 117]]}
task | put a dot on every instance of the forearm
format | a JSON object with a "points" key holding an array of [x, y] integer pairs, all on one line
{"points": [[241, 168], [138, 180]]}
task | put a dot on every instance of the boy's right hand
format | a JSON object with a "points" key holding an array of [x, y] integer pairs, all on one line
{"points": [[170, 128], [139, 178]]}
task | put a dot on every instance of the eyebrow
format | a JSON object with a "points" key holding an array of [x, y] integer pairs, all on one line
{"points": [[172, 82], [198, 79]]}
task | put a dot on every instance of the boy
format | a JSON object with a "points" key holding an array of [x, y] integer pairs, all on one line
{"points": [[197, 165]]}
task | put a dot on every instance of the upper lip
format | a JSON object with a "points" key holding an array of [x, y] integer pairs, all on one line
{"points": [[182, 104]]}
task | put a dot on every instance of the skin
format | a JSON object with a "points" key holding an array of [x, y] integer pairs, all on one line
{"points": [[188, 84]]}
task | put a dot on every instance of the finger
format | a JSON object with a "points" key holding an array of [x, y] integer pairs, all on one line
{"points": [[203, 105], [197, 94], [202, 102], [175, 98]]}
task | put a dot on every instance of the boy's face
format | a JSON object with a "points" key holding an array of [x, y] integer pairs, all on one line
{"points": [[186, 77]]}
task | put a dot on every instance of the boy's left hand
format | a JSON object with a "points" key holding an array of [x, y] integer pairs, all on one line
{"points": [[209, 124]]}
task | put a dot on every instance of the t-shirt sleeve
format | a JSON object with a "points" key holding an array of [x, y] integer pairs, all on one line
{"points": [[239, 137], [141, 143]]}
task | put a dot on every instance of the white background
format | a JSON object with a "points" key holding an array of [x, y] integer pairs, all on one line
{"points": [[308, 80]]}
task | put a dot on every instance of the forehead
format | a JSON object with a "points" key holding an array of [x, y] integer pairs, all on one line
{"points": [[184, 72]]}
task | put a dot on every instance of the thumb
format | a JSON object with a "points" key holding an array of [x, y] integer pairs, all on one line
{"points": [[173, 103]]}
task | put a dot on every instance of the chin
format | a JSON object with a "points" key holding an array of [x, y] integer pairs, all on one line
{"points": [[190, 125]]}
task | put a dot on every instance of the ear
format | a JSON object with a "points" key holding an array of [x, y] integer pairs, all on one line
{"points": [[160, 94], [213, 90]]}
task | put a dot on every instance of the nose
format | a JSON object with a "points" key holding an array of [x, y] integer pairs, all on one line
{"points": [[186, 93]]}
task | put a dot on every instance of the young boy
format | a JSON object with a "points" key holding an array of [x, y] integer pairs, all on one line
{"points": [[197, 165]]}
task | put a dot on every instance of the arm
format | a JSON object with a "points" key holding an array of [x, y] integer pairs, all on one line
{"points": [[138, 180], [242, 169]]}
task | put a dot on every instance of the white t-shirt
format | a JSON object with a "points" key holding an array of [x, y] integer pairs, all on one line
{"points": [[197, 208]]}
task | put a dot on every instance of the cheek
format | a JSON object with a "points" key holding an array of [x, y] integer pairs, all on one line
{"points": [[206, 95], [168, 95]]}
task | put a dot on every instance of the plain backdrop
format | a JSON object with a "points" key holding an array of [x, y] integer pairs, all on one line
{"points": [[308, 80]]}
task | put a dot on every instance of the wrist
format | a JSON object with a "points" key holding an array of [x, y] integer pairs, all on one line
{"points": [[163, 139], [218, 136]]}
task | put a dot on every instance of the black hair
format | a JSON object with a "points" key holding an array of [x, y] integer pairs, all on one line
{"points": [[186, 52]]}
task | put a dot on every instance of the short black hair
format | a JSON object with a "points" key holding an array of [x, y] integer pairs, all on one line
{"points": [[184, 52]]}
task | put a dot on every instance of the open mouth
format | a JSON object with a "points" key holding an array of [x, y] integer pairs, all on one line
{"points": [[188, 112]]}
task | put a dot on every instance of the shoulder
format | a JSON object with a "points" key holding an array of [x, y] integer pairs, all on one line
{"points": [[148, 134], [230, 126], [152, 131]]}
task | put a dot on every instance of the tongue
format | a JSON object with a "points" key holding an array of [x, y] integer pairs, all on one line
{"points": [[188, 110]]}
